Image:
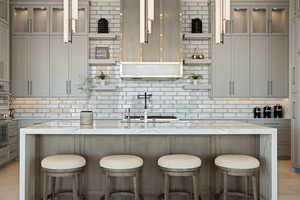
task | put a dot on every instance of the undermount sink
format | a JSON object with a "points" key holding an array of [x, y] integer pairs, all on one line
{"points": [[151, 119]]}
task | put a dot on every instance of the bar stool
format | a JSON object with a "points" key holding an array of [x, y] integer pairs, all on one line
{"points": [[240, 166], [122, 166], [62, 166], [180, 165]]}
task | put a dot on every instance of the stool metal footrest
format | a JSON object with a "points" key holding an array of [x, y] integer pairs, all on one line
{"points": [[122, 193], [188, 195], [56, 194]]}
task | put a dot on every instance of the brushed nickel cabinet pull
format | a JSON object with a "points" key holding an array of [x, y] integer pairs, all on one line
{"points": [[293, 110], [30, 87], [70, 87], [233, 90], [229, 88], [28, 90], [294, 75], [67, 90], [271, 87]]}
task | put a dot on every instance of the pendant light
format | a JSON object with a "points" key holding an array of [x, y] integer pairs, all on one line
{"points": [[146, 19], [70, 17], [222, 15], [67, 33]]}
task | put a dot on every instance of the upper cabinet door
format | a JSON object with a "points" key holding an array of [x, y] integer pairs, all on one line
{"points": [[77, 65], [40, 20], [279, 20], [39, 66], [259, 66], [240, 66], [59, 66], [20, 20], [240, 21], [279, 65], [222, 86], [259, 21], [19, 66]]}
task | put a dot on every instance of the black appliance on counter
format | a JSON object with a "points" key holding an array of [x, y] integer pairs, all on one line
{"points": [[267, 112], [278, 111], [257, 112], [196, 25]]}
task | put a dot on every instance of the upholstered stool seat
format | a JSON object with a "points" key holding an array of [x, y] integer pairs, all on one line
{"points": [[179, 161], [237, 162], [238, 166], [60, 166], [180, 165], [121, 166], [63, 162], [117, 162]]}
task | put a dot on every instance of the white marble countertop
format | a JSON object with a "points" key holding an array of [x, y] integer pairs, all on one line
{"points": [[177, 127]]}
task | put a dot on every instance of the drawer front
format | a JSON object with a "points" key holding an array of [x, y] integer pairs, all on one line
{"points": [[13, 140], [13, 131], [284, 123], [284, 151], [284, 136]]}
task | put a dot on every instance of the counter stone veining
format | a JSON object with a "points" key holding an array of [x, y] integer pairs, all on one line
{"points": [[177, 127]]}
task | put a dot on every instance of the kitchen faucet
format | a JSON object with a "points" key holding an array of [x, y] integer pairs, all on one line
{"points": [[145, 96]]}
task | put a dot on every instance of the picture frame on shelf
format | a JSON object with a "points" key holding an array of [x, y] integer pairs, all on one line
{"points": [[102, 53]]}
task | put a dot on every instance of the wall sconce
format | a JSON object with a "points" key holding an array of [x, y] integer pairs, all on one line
{"points": [[70, 17], [222, 14], [146, 19]]}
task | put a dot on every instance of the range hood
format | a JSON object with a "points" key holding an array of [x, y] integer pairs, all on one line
{"points": [[151, 70]]}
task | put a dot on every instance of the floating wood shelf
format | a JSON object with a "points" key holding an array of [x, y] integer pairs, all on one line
{"points": [[197, 36], [104, 88], [103, 36], [102, 61], [189, 61], [197, 87]]}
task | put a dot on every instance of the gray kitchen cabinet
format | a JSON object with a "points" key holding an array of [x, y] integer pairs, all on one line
{"points": [[279, 77], [4, 4], [59, 66], [30, 66], [259, 54], [240, 66], [68, 66], [39, 66], [222, 69], [231, 67], [259, 66], [19, 66]]}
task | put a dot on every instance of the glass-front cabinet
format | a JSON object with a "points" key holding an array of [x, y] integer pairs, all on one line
{"points": [[57, 20], [4, 10], [240, 19], [259, 20], [30, 20], [279, 20], [44, 20]]}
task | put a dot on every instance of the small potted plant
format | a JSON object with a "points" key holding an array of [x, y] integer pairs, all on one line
{"points": [[196, 78], [102, 78]]}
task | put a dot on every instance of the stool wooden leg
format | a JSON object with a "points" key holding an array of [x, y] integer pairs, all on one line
{"points": [[107, 186], [53, 185], [195, 187], [166, 187], [254, 188], [246, 188], [135, 186], [45, 186], [225, 177]]}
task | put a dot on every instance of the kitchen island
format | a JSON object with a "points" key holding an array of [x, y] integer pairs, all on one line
{"points": [[204, 138]]}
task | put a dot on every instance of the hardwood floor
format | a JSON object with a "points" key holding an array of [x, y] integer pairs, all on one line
{"points": [[289, 182]]}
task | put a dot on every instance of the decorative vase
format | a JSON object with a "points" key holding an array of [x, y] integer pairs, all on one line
{"points": [[102, 82], [195, 81]]}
